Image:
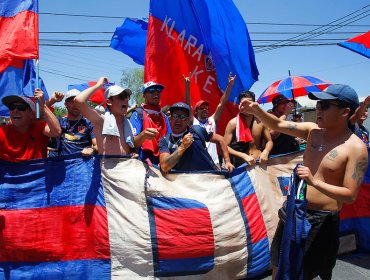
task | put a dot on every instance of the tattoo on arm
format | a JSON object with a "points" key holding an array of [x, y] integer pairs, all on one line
{"points": [[359, 172], [292, 126], [173, 159], [332, 155]]}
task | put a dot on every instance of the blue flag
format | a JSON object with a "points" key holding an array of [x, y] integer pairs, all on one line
{"points": [[130, 38]]}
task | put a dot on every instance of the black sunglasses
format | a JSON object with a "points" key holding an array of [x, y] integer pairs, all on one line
{"points": [[19, 107], [325, 105], [153, 90], [178, 116]]}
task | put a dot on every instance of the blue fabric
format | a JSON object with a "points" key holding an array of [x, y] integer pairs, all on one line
{"points": [[10, 8], [19, 81], [196, 157], [137, 127], [296, 231], [355, 47], [130, 38], [76, 135]]}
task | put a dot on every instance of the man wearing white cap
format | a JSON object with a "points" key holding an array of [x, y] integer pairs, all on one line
{"points": [[112, 130], [26, 138], [77, 131], [150, 124]]}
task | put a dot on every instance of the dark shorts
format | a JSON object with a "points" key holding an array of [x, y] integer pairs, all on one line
{"points": [[321, 246]]}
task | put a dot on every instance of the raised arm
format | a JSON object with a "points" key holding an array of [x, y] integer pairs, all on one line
{"points": [[52, 129], [220, 107], [56, 97], [81, 102], [360, 111], [187, 81], [300, 130]]}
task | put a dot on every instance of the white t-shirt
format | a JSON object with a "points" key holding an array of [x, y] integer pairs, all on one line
{"points": [[210, 126]]}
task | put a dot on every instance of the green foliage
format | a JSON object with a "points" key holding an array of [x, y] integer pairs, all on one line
{"points": [[60, 111], [134, 79]]}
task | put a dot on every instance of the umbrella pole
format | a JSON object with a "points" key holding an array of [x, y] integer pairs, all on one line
{"points": [[295, 106]]}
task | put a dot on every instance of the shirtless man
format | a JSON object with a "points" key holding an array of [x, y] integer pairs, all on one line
{"points": [[335, 162], [242, 149], [112, 130]]}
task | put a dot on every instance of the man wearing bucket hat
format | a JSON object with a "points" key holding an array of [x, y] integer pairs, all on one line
{"points": [[77, 131], [25, 137], [185, 148], [149, 123], [112, 129], [334, 166]]}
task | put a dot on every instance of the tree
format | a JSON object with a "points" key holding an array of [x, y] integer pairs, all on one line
{"points": [[134, 79], [60, 111]]}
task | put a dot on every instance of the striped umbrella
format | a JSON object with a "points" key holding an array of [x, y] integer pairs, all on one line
{"points": [[292, 87]]}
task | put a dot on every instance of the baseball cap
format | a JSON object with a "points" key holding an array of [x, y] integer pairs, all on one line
{"points": [[200, 103], [115, 90], [71, 93], [152, 84], [279, 99], [337, 92], [180, 106], [7, 100]]}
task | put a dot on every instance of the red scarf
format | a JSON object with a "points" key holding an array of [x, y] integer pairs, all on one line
{"points": [[153, 121], [243, 133]]}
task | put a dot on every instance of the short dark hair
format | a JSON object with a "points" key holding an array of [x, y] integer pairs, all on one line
{"points": [[247, 94]]}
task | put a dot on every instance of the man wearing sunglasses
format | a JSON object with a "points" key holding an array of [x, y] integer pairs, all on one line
{"points": [[149, 123], [185, 148], [334, 165], [112, 130], [25, 137], [77, 131], [203, 118]]}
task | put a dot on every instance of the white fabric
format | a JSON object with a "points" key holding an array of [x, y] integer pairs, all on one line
{"points": [[210, 126], [110, 128]]}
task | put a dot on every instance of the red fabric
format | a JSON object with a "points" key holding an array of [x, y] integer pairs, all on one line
{"points": [[184, 233], [153, 121], [255, 219], [19, 38], [245, 134], [98, 95], [360, 208], [363, 39], [15, 146], [54, 234], [166, 62]]}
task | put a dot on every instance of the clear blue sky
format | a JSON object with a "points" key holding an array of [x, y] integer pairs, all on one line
{"points": [[332, 63]]}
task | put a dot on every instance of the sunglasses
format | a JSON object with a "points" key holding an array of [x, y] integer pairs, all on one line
{"points": [[203, 107], [154, 90], [325, 105], [179, 117], [19, 107]]}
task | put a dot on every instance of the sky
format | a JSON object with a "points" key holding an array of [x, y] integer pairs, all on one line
{"points": [[61, 66]]}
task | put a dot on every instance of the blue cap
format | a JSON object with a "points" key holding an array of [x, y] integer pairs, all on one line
{"points": [[337, 92], [151, 84], [180, 106]]}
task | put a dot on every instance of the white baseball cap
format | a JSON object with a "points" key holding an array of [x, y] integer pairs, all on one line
{"points": [[71, 93], [115, 90]]}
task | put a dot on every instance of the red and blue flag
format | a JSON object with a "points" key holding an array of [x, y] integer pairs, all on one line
{"points": [[98, 96], [209, 39], [19, 31], [359, 44]]}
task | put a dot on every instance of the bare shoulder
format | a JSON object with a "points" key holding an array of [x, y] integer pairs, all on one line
{"points": [[232, 123], [356, 147]]}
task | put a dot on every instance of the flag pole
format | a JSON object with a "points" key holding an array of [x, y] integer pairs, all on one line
{"points": [[37, 62], [295, 105]]}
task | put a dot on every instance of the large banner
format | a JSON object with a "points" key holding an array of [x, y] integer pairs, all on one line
{"points": [[76, 218]]}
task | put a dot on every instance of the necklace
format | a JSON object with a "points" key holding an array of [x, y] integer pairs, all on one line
{"points": [[322, 146], [176, 143], [70, 129]]}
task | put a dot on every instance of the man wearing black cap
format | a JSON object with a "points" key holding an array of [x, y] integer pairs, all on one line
{"points": [[283, 143], [335, 162], [26, 138], [149, 123], [185, 148]]}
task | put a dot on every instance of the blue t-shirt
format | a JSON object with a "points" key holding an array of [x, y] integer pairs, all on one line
{"points": [[76, 135], [196, 157], [137, 126]]}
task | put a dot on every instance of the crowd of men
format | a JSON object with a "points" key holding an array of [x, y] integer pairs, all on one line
{"points": [[185, 139]]}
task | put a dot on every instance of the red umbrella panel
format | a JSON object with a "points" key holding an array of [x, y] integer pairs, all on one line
{"points": [[359, 44], [293, 87]]}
